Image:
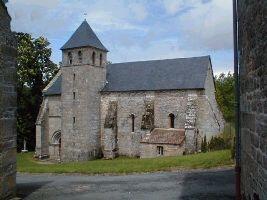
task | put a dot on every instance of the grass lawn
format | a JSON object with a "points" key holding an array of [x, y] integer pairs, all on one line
{"points": [[26, 163]]}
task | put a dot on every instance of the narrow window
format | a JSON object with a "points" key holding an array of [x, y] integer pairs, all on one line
{"points": [[93, 58], [160, 150], [80, 56], [70, 57], [132, 118], [74, 76], [74, 120], [171, 120], [100, 59], [74, 95]]}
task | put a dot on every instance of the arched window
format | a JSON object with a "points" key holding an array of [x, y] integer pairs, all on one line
{"points": [[100, 59], [93, 58], [80, 56], [56, 138], [70, 58], [171, 120], [132, 118]]}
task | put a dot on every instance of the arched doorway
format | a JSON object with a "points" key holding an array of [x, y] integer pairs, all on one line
{"points": [[56, 143]]}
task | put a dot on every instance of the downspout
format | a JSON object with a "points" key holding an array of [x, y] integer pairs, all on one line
{"points": [[237, 106]]}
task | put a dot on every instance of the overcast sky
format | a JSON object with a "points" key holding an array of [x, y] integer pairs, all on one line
{"points": [[135, 29]]}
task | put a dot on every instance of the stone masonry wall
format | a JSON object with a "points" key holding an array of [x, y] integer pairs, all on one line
{"points": [[54, 118], [150, 150], [252, 40], [7, 106], [81, 114], [165, 102]]}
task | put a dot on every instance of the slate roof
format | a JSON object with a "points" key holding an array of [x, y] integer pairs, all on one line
{"points": [[84, 36], [54, 87], [169, 74], [164, 136]]}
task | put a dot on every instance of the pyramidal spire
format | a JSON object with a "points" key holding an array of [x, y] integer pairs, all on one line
{"points": [[84, 36]]}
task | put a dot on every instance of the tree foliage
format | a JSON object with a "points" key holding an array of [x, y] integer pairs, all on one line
{"points": [[35, 70], [225, 95]]}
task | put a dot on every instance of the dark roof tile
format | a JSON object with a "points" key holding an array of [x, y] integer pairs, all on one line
{"points": [[84, 36], [169, 74]]}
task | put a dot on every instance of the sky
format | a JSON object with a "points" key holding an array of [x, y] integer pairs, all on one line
{"points": [[134, 30]]}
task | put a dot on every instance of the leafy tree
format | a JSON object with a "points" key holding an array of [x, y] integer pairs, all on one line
{"points": [[35, 70], [225, 95]]}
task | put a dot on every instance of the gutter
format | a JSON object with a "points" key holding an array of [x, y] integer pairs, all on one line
{"points": [[237, 106]]}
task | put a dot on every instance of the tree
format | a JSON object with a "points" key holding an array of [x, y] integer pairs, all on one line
{"points": [[35, 70], [225, 95]]}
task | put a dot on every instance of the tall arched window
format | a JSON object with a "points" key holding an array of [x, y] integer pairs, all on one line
{"points": [[93, 58], [70, 58], [100, 59], [80, 56], [132, 118], [171, 120]]}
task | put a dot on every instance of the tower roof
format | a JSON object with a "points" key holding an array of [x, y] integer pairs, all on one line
{"points": [[84, 36]]}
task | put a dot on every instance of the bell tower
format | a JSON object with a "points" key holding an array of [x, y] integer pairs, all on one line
{"points": [[84, 60]]}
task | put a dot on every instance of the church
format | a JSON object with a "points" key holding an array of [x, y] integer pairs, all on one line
{"points": [[92, 109]]}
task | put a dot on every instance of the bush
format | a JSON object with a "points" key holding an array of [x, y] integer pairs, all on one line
{"points": [[204, 145], [217, 143]]}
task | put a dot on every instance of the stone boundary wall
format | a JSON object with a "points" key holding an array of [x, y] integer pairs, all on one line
{"points": [[8, 103], [252, 41]]}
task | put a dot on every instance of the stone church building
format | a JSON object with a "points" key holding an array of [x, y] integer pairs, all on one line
{"points": [[144, 109]]}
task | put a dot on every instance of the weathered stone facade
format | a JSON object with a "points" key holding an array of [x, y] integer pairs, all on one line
{"points": [[203, 119], [48, 128], [81, 114], [7, 106], [252, 42], [88, 120]]}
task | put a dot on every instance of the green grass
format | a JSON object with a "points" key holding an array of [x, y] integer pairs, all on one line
{"points": [[26, 163]]}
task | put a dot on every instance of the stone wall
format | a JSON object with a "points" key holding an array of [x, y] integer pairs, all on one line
{"points": [[81, 114], [7, 106], [165, 102], [151, 151], [253, 83], [54, 117]]}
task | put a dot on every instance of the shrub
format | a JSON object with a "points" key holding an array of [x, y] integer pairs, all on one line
{"points": [[204, 145], [217, 143]]}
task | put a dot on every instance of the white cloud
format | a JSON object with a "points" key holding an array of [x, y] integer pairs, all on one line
{"points": [[208, 25], [40, 3], [139, 10], [174, 6], [133, 30]]}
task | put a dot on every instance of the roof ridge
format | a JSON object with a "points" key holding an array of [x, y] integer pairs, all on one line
{"points": [[208, 56]]}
